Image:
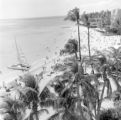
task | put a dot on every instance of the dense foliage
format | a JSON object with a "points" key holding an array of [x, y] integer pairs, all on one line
{"points": [[105, 19]]}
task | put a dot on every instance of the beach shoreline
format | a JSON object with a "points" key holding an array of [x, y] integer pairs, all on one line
{"points": [[97, 40]]}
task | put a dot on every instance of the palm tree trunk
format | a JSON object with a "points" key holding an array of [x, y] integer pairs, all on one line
{"points": [[35, 109], [100, 101], [89, 49], [118, 85], [89, 43], [78, 94], [76, 56], [81, 111], [109, 89], [116, 82], [79, 40]]}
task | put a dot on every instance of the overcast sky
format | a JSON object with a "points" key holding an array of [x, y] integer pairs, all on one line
{"points": [[42, 8]]}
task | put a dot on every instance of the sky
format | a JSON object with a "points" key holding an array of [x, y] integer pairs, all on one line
{"points": [[43, 8]]}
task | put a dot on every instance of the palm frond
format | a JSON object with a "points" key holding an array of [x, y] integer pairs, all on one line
{"points": [[4, 105], [12, 103], [49, 102], [109, 88], [58, 87], [29, 81], [11, 108], [8, 117], [73, 15], [45, 94], [24, 91], [12, 84], [56, 116], [71, 46], [116, 53], [59, 67], [40, 112], [90, 93], [68, 116]]}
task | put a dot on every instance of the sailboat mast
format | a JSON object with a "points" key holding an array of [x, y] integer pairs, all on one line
{"points": [[18, 54], [21, 59]]}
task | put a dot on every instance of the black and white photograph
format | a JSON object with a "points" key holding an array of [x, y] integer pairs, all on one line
{"points": [[60, 59]]}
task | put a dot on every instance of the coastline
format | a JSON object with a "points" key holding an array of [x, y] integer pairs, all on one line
{"points": [[97, 40], [45, 42]]}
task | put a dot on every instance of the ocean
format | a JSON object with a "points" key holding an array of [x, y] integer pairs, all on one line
{"points": [[37, 38]]}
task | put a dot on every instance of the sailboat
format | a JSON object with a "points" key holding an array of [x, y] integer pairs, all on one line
{"points": [[22, 65]]}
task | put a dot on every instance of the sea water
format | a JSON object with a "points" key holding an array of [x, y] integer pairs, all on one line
{"points": [[36, 38]]}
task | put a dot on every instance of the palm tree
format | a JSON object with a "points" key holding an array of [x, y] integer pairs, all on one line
{"points": [[70, 99], [87, 24], [32, 97], [12, 109], [102, 66], [74, 15], [67, 104], [29, 94], [71, 47], [86, 21]]}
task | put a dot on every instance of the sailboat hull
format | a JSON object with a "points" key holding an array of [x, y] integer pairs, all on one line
{"points": [[19, 67]]}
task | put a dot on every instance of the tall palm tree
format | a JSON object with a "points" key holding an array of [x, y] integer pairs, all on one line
{"points": [[32, 97], [74, 15], [70, 99], [102, 66], [86, 21], [29, 94], [68, 103]]}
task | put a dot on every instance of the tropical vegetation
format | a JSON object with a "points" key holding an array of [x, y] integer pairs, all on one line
{"points": [[108, 20]]}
